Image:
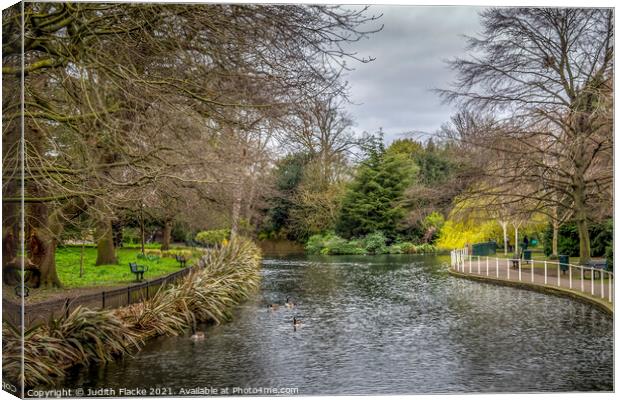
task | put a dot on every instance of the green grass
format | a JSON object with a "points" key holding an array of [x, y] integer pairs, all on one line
{"points": [[68, 267]]}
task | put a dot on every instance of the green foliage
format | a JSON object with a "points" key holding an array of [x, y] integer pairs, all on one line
{"points": [[330, 243], [601, 236], [373, 201], [289, 173], [131, 236], [609, 255], [434, 220], [434, 165], [374, 243], [212, 237]]}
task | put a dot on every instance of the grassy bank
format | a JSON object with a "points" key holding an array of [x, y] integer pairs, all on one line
{"points": [[68, 266], [230, 274]]}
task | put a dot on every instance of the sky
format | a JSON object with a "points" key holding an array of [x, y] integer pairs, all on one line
{"points": [[394, 92]]}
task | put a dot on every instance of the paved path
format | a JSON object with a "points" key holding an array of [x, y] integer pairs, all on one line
{"points": [[534, 273]]}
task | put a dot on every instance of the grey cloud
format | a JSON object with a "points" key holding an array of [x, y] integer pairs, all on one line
{"points": [[395, 90]]}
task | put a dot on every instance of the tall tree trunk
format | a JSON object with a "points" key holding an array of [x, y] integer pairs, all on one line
{"points": [[235, 214], [165, 241], [584, 238], [44, 230], [554, 239], [517, 239], [105, 242], [581, 217], [504, 225]]}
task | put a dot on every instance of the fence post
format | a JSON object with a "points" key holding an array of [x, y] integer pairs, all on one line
{"points": [[609, 277], [570, 276], [487, 265], [532, 264], [559, 275], [581, 269], [545, 262], [103, 299], [519, 270], [602, 285], [592, 280], [497, 267], [478, 265], [507, 269], [470, 263], [128, 295]]}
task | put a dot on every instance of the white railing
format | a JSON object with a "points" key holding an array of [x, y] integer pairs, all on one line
{"points": [[569, 276]]}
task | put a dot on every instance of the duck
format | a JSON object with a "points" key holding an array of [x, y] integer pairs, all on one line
{"points": [[274, 306], [296, 322], [289, 304], [197, 335]]}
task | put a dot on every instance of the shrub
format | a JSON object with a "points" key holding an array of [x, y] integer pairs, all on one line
{"points": [[212, 237], [316, 243], [347, 247], [330, 243], [609, 255], [426, 248], [375, 243], [229, 275]]}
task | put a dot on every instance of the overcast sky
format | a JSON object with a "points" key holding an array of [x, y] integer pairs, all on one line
{"points": [[394, 92]]}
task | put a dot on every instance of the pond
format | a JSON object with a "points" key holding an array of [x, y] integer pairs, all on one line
{"points": [[397, 324]]}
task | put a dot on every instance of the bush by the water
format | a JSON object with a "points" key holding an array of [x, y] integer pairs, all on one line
{"points": [[213, 237], [374, 243], [230, 274]]}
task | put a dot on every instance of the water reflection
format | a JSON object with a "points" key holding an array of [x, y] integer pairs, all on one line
{"points": [[384, 324]]}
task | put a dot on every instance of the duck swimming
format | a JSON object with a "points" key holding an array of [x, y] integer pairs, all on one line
{"points": [[274, 306], [197, 335], [296, 322], [289, 304]]}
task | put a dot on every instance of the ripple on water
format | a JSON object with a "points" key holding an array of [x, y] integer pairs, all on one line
{"points": [[383, 324]]}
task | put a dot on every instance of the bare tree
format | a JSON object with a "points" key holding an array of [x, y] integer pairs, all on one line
{"points": [[546, 74]]}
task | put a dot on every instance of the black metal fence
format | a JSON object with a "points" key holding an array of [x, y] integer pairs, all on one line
{"points": [[107, 299]]}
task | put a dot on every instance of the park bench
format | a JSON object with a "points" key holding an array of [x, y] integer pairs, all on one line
{"points": [[526, 256], [181, 259], [139, 270], [595, 266]]}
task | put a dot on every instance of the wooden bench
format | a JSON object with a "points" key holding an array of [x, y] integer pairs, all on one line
{"points": [[182, 261], [138, 270], [595, 266]]}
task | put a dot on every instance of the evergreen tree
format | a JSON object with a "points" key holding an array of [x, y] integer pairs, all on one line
{"points": [[288, 175], [373, 200]]}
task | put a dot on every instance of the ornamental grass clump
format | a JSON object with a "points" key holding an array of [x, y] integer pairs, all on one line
{"points": [[81, 337], [231, 273]]}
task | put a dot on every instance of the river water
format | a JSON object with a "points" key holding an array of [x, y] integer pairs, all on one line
{"points": [[396, 324]]}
